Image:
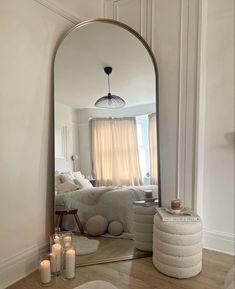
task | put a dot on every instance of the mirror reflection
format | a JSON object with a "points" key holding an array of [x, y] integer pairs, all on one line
{"points": [[105, 141]]}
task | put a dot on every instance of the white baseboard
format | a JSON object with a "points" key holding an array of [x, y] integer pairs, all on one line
{"points": [[20, 265], [219, 241]]}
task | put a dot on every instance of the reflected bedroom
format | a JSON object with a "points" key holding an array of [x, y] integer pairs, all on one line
{"points": [[106, 162]]}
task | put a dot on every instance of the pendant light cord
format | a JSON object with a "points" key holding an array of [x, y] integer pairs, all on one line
{"points": [[108, 83]]}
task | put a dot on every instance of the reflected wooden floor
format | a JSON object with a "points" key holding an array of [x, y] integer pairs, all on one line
{"points": [[111, 250], [141, 274]]}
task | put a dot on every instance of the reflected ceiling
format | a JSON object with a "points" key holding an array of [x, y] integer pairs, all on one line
{"points": [[80, 79]]}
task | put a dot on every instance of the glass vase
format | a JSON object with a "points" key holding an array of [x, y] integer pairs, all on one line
{"points": [[66, 239], [55, 239], [69, 263], [46, 264], [56, 250]]}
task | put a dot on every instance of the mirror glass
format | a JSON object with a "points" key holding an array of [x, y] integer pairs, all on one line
{"points": [[105, 158]]}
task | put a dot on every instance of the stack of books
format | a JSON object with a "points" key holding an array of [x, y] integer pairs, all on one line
{"points": [[185, 215], [147, 202]]}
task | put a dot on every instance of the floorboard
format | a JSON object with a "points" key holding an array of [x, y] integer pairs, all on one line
{"points": [[141, 274], [111, 249]]}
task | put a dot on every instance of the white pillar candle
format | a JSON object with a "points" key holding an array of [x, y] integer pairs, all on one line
{"points": [[53, 262], [57, 250], [45, 271], [70, 263], [67, 241]]}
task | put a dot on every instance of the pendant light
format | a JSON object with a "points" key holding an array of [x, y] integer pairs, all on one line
{"points": [[109, 100]]}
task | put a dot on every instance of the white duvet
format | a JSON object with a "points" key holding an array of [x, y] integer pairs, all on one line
{"points": [[114, 203]]}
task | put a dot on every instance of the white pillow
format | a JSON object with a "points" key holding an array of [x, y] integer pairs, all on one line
{"points": [[78, 175], [67, 177], [67, 187], [83, 183]]}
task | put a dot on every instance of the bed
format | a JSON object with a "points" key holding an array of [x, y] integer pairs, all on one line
{"points": [[112, 202]]}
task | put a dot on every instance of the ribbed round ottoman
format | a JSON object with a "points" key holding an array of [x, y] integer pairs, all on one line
{"points": [[143, 225], [177, 247]]}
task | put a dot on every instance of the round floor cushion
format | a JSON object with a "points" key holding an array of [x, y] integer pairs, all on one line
{"points": [[97, 284], [96, 225], [115, 228]]}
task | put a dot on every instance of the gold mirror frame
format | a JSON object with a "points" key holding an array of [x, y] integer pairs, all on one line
{"points": [[141, 39]]}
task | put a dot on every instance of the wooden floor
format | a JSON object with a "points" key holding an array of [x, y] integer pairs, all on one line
{"points": [[140, 274], [111, 249]]}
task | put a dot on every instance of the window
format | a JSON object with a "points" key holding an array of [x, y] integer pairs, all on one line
{"points": [[143, 146]]}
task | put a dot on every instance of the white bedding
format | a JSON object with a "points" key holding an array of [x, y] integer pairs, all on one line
{"points": [[114, 203]]}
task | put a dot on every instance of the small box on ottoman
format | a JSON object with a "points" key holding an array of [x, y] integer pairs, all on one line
{"points": [[177, 245]]}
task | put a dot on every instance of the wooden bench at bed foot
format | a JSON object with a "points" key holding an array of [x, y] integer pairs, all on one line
{"points": [[60, 213]]}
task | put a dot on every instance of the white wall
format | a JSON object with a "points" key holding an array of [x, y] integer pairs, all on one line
{"points": [[29, 33], [82, 116], [67, 131], [218, 187], [79, 9], [170, 29]]}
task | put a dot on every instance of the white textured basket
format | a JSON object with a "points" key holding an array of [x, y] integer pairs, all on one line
{"points": [[143, 227], [177, 248]]}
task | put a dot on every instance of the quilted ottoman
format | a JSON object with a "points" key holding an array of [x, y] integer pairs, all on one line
{"points": [[177, 247], [143, 225]]}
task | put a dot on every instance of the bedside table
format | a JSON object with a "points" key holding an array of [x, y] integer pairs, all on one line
{"points": [[93, 182]]}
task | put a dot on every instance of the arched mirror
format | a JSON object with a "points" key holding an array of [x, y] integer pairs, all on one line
{"points": [[106, 144]]}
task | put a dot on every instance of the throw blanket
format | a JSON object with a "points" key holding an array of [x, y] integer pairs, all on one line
{"points": [[114, 203]]}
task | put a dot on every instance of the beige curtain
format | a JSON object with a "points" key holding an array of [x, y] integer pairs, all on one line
{"points": [[114, 150], [153, 148]]}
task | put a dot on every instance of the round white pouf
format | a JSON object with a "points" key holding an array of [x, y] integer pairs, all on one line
{"points": [[96, 225], [177, 247], [115, 228], [143, 225]]}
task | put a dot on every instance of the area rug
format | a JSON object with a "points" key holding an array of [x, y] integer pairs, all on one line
{"points": [[84, 246], [124, 235], [98, 284]]}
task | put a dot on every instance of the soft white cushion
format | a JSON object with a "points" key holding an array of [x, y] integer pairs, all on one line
{"points": [[115, 228], [67, 187], [78, 176], [96, 225], [66, 177], [83, 183]]}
